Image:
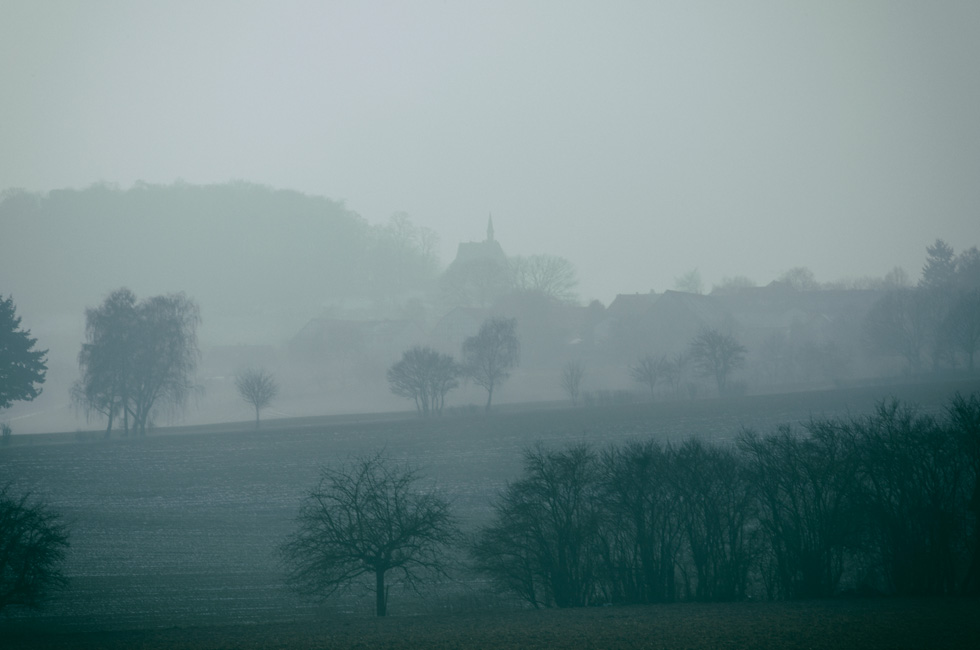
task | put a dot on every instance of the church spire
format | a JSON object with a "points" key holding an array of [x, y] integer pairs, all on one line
{"points": [[490, 228]]}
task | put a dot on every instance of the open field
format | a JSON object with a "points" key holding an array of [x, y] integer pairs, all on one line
{"points": [[830, 625], [181, 528]]}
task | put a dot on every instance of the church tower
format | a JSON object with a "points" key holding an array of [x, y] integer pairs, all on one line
{"points": [[488, 249]]}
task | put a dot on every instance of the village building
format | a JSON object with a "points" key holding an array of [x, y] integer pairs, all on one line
{"points": [[487, 250]]}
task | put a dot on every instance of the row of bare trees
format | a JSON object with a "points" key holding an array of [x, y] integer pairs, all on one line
{"points": [[425, 375], [886, 503], [482, 281], [714, 354]]}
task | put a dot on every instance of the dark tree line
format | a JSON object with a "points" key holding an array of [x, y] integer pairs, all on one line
{"points": [[886, 503]]}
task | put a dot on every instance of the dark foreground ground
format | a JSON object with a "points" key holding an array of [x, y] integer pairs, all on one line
{"points": [[867, 624]]}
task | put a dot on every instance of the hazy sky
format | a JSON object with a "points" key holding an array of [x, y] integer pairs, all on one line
{"points": [[638, 139]]}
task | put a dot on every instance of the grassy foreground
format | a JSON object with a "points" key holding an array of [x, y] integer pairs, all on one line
{"points": [[846, 623]]}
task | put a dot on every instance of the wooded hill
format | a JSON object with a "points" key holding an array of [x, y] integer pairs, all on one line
{"points": [[259, 261]]}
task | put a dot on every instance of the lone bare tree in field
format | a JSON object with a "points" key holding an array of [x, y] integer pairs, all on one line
{"points": [[258, 388], [425, 376], [571, 380], [369, 518], [489, 356], [717, 355], [647, 371]]}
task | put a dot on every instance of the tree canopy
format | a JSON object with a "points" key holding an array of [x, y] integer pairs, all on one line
{"points": [[424, 376], [647, 371], [548, 275], [489, 356], [137, 356], [257, 387], [940, 268], [717, 355], [33, 542], [369, 518], [22, 366]]}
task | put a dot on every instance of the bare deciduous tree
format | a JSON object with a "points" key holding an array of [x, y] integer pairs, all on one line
{"points": [[718, 517], [489, 356], [571, 380], [962, 324], [800, 278], [103, 359], [912, 470], [690, 282], [425, 376], [258, 388], [674, 370], [717, 355], [370, 518], [898, 324], [808, 489], [647, 371], [548, 275], [544, 539], [476, 283], [733, 284], [964, 416], [642, 531], [33, 542]]}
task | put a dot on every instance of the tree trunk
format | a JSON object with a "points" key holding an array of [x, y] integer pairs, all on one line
{"points": [[381, 599], [489, 398], [256, 417]]}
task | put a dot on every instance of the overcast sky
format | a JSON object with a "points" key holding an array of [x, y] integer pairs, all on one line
{"points": [[638, 139]]}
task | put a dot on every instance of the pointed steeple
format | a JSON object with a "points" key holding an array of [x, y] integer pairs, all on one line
{"points": [[490, 228]]}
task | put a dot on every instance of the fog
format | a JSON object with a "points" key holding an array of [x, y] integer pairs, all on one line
{"points": [[639, 141]]}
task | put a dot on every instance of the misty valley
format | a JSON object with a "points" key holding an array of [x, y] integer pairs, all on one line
{"points": [[322, 422], [627, 325]]}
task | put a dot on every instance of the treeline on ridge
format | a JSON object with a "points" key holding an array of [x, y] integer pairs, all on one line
{"points": [[239, 230]]}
